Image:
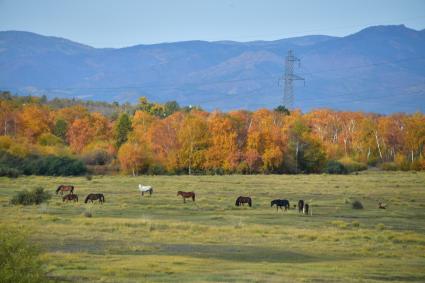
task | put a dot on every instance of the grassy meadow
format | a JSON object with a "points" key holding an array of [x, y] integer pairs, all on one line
{"points": [[159, 238]]}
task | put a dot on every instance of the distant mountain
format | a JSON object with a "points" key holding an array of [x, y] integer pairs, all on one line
{"points": [[379, 69]]}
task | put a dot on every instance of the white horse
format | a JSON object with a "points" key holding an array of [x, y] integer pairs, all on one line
{"points": [[145, 189]]}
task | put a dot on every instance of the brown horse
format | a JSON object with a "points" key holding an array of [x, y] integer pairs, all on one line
{"points": [[242, 200], [63, 188], [70, 197], [186, 195], [93, 197]]}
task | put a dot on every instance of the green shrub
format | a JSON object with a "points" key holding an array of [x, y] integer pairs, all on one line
{"points": [[35, 196], [352, 166], [97, 157], [9, 172], [335, 167], [389, 166], [89, 177], [43, 165], [19, 259], [357, 204], [156, 169]]}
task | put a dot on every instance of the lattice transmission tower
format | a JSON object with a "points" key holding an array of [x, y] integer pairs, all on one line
{"points": [[289, 77]]}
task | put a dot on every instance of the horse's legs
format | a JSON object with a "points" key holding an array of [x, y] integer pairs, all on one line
{"points": [[184, 200]]}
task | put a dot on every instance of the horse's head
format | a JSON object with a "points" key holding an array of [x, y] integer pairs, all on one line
{"points": [[271, 203], [179, 193]]}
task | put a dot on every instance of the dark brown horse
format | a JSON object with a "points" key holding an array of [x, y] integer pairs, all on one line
{"points": [[93, 197], [186, 195], [70, 197], [300, 206], [63, 188], [242, 200]]}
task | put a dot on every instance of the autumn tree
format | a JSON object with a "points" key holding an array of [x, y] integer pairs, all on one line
{"points": [[193, 138], [35, 120]]}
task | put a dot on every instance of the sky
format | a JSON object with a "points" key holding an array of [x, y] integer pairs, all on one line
{"points": [[120, 23]]}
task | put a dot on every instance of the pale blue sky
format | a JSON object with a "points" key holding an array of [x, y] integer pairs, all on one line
{"points": [[103, 23]]}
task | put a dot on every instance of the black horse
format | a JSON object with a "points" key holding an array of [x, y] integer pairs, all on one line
{"points": [[306, 207], [300, 206], [242, 200], [93, 197], [280, 203]]}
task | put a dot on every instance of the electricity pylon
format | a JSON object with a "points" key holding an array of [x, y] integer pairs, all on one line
{"points": [[288, 91]]}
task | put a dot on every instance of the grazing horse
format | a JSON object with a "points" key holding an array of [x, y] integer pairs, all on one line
{"points": [[70, 197], [93, 197], [145, 189], [63, 188], [280, 203], [305, 209], [186, 195], [242, 200], [300, 206]]}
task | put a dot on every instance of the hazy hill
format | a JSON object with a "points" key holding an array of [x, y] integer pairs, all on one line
{"points": [[379, 69]]}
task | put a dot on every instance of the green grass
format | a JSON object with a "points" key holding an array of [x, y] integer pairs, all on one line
{"points": [[159, 238]]}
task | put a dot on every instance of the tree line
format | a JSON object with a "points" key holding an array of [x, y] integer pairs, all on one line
{"points": [[165, 138]]}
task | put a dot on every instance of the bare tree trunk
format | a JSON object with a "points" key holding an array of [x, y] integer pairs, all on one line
{"points": [[377, 143], [296, 158], [345, 146], [368, 154]]}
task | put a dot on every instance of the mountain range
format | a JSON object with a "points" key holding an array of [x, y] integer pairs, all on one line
{"points": [[378, 69]]}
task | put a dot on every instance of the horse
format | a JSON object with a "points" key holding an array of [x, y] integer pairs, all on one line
{"points": [[186, 195], [242, 200], [93, 197], [300, 206], [279, 203], [305, 209], [63, 188], [145, 189], [70, 197]]}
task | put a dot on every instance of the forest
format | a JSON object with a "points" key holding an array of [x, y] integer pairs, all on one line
{"points": [[71, 137]]}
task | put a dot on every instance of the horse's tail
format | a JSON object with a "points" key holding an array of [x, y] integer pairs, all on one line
{"points": [[237, 202], [193, 196], [72, 189], [58, 189], [87, 199], [250, 202], [103, 198]]}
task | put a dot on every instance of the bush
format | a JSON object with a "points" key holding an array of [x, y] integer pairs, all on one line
{"points": [[352, 166], [35, 196], [357, 204], [156, 169], [89, 177], [19, 259], [97, 157], [335, 167], [43, 165], [9, 172], [389, 166]]}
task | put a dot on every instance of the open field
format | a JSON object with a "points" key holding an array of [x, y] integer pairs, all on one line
{"points": [[158, 238]]}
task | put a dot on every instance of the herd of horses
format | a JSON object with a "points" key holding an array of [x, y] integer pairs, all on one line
{"points": [[283, 204], [73, 197]]}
